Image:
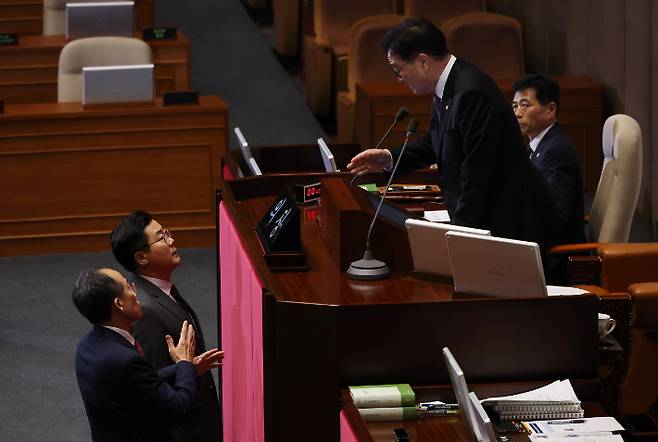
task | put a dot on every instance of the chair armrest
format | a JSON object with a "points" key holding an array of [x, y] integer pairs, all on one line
{"points": [[571, 249], [623, 264], [645, 304]]}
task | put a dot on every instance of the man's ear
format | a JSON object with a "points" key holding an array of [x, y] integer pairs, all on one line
{"points": [[423, 59], [141, 258], [118, 304], [552, 108]]}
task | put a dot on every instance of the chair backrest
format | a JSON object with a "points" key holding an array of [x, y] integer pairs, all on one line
{"points": [[95, 51], [438, 12], [333, 19], [367, 61], [492, 42], [616, 196], [54, 15]]}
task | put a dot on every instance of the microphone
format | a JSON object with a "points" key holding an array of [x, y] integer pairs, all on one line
{"points": [[368, 267], [401, 115]]}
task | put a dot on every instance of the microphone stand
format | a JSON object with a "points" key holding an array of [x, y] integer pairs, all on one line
{"points": [[369, 268], [399, 116]]}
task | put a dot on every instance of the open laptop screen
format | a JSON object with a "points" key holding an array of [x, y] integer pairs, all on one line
{"points": [[99, 19], [117, 84], [461, 392]]}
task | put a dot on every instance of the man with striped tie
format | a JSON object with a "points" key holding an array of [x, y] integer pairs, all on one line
{"points": [[146, 248]]}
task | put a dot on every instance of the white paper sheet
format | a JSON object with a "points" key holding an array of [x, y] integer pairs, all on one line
{"points": [[437, 216]]}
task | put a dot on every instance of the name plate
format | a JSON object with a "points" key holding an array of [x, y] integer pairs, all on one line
{"points": [[8, 38], [180, 97], [159, 33], [279, 229]]}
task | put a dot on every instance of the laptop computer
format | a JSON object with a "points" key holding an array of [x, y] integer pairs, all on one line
{"points": [[117, 84], [99, 19], [461, 393], [488, 265], [246, 153], [429, 250], [327, 157], [482, 420]]}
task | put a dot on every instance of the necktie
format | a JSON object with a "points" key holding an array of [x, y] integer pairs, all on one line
{"points": [[138, 347], [531, 153], [437, 105], [179, 299]]}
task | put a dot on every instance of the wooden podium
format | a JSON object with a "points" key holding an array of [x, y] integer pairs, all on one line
{"points": [[294, 339]]}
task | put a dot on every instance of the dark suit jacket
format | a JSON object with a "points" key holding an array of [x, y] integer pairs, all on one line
{"points": [[484, 171], [557, 161], [126, 399], [162, 316]]}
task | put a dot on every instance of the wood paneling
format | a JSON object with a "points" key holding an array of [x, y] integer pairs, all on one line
{"points": [[70, 174], [26, 16], [28, 72]]}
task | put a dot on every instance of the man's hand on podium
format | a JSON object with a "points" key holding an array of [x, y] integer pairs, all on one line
{"points": [[371, 160]]}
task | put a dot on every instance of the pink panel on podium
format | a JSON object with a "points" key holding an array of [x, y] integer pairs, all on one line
{"points": [[346, 431], [242, 338]]}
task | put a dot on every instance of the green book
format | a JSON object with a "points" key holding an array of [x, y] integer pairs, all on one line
{"points": [[378, 396], [371, 187], [388, 414]]}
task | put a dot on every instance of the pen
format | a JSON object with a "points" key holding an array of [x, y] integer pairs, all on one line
{"points": [[575, 421]]}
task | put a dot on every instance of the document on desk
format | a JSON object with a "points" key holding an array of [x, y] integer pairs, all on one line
{"points": [[563, 290], [603, 436], [437, 216], [564, 427]]}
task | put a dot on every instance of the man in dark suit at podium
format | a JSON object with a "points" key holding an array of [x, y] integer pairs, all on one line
{"points": [[145, 248], [474, 138], [125, 398], [536, 104]]}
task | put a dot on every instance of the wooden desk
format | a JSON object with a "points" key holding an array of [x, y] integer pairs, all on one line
{"points": [[581, 115], [443, 428], [69, 175], [28, 72], [294, 339], [26, 16]]}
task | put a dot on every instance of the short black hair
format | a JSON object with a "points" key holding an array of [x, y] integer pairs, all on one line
{"points": [[413, 36], [546, 89], [129, 237], [93, 295]]}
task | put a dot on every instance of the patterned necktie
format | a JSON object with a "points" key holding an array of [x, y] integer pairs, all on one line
{"points": [[179, 299]]}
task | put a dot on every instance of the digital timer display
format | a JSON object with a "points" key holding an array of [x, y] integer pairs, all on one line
{"points": [[307, 193]]}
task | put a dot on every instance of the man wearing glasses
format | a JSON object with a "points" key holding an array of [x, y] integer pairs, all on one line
{"points": [[145, 248], [484, 171]]}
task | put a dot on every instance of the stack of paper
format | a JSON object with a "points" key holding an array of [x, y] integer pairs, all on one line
{"points": [[385, 402], [553, 401], [594, 429]]}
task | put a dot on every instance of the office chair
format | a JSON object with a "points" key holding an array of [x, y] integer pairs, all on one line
{"points": [[492, 42], [439, 12], [95, 51], [325, 53], [366, 63]]}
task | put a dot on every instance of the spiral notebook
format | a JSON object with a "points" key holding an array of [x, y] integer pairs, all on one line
{"points": [[553, 401]]}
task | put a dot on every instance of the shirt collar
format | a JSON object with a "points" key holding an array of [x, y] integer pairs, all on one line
{"points": [[123, 333], [535, 141], [163, 285], [441, 84]]}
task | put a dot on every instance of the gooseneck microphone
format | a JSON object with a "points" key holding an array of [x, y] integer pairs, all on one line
{"points": [[368, 267], [401, 115]]}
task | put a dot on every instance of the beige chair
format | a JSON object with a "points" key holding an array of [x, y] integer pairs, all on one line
{"points": [[615, 200], [325, 53], [616, 196], [95, 51], [367, 63], [286, 26], [54, 15], [438, 12], [492, 42]]}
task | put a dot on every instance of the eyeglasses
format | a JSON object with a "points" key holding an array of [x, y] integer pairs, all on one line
{"points": [[397, 70], [132, 287], [167, 236]]}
